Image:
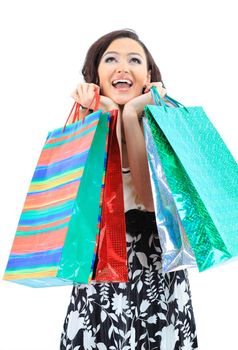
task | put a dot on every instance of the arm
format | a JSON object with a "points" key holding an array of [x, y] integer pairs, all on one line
{"points": [[137, 155], [118, 131], [136, 149]]}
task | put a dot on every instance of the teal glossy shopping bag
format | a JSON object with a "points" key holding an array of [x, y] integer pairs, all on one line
{"points": [[203, 178]]}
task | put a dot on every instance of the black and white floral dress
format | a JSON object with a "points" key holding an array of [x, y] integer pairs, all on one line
{"points": [[152, 311]]}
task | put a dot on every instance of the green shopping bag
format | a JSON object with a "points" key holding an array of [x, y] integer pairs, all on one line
{"points": [[203, 178]]}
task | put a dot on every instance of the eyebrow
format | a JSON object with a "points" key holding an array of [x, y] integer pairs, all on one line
{"points": [[129, 54]]}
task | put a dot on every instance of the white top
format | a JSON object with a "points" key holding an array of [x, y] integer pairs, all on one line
{"points": [[131, 198]]}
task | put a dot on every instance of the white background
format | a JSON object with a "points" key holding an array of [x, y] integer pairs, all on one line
{"points": [[43, 44]]}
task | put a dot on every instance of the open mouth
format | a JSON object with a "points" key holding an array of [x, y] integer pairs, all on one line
{"points": [[122, 84]]}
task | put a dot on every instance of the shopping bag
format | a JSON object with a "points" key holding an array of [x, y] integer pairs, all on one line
{"points": [[176, 250], [78, 255], [112, 255], [202, 176], [39, 256]]}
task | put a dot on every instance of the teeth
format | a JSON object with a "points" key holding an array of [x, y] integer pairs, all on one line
{"points": [[122, 81]]}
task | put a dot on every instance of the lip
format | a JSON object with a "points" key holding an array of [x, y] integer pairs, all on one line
{"points": [[122, 77], [124, 89], [122, 80]]}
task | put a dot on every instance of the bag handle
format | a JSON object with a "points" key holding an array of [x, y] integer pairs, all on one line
{"points": [[159, 101], [76, 109]]}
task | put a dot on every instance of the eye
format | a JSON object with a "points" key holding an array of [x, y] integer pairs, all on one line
{"points": [[136, 60], [109, 59]]}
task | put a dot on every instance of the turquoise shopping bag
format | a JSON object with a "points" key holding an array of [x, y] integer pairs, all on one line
{"points": [[203, 178]]}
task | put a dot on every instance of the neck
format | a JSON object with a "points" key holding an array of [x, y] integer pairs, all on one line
{"points": [[121, 107]]}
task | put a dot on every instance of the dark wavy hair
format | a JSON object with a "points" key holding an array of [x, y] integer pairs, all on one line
{"points": [[97, 49]]}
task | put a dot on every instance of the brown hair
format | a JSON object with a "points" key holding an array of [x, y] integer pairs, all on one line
{"points": [[97, 49]]}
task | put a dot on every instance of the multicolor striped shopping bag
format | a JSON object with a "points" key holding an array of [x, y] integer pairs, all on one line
{"points": [[39, 256]]}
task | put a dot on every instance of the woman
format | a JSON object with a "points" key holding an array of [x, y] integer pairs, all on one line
{"points": [[153, 310]]}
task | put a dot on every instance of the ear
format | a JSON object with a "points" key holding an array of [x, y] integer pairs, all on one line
{"points": [[148, 80]]}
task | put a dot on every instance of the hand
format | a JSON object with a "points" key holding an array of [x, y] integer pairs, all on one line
{"points": [[84, 94], [138, 103]]}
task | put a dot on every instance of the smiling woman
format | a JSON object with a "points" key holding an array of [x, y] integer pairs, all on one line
{"points": [[123, 70], [153, 310]]}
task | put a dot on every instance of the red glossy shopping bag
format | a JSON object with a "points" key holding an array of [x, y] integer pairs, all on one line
{"points": [[111, 263]]}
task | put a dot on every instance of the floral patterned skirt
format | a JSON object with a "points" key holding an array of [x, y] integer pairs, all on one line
{"points": [[151, 311]]}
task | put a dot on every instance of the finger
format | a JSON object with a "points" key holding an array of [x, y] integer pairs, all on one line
{"points": [[84, 93], [147, 88], [92, 89], [79, 88], [78, 94], [164, 92], [91, 92], [84, 88], [88, 93], [159, 87], [96, 87], [75, 96]]}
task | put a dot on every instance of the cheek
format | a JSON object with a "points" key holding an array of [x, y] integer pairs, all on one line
{"points": [[104, 86], [104, 73], [140, 84], [141, 77]]}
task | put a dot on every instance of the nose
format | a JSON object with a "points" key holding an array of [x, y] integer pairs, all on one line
{"points": [[122, 67], [119, 70]]}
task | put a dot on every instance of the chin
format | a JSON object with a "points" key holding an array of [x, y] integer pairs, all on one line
{"points": [[122, 100]]}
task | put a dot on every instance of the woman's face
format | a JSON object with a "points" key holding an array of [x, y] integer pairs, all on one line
{"points": [[123, 71]]}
